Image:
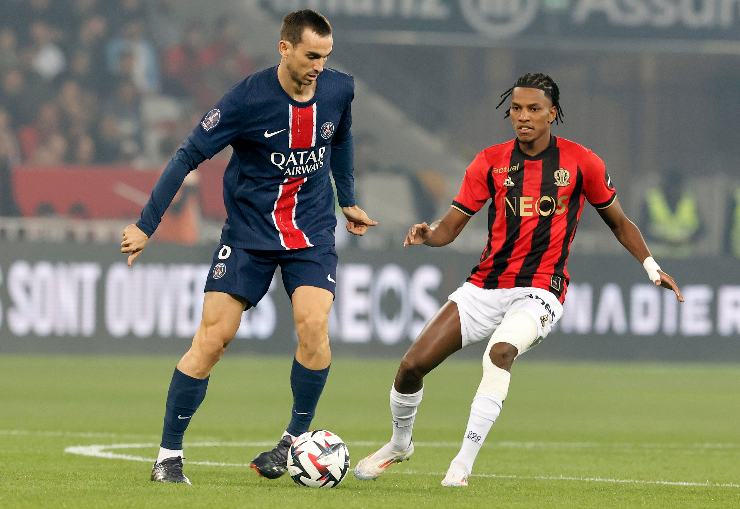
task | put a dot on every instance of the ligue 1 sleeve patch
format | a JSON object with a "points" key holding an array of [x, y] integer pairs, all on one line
{"points": [[327, 129], [211, 119]]}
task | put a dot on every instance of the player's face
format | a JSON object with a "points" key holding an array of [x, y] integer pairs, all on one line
{"points": [[531, 114], [306, 60]]}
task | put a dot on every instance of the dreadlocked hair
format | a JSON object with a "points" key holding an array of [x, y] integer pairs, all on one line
{"points": [[542, 82]]}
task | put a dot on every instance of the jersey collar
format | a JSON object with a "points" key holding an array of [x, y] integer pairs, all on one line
{"points": [[553, 143], [292, 101]]}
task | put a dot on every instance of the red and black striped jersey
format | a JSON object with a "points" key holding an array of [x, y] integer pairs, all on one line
{"points": [[536, 204]]}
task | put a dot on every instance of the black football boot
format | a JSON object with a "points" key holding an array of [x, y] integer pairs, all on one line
{"points": [[274, 463], [169, 470]]}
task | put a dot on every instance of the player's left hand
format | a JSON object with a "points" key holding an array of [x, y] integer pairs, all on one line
{"points": [[667, 282], [357, 220]]}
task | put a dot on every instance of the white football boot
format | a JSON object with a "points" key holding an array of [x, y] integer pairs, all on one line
{"points": [[370, 467], [457, 476]]}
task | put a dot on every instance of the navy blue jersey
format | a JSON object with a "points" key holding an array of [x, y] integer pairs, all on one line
{"points": [[277, 190]]}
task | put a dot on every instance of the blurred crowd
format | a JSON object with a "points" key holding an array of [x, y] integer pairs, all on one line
{"points": [[79, 77]]}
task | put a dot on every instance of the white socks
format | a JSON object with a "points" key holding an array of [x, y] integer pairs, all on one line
{"points": [[403, 410], [483, 413], [168, 453]]}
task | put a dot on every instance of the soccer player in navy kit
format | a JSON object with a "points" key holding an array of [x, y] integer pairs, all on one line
{"points": [[537, 184], [289, 127]]}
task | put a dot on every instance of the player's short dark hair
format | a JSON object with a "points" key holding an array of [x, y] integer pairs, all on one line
{"points": [[542, 82], [296, 22]]}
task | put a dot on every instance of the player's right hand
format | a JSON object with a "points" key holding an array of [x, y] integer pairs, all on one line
{"points": [[417, 234], [133, 243]]}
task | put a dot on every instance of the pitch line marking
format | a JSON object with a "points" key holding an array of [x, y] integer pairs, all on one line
{"points": [[76, 434], [502, 444], [103, 451]]}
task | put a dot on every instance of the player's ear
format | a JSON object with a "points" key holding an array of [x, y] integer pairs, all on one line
{"points": [[553, 113], [283, 47]]}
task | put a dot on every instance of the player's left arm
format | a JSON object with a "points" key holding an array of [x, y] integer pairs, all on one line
{"points": [[600, 192], [629, 235], [342, 169]]}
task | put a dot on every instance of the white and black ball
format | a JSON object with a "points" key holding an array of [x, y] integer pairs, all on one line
{"points": [[318, 459]]}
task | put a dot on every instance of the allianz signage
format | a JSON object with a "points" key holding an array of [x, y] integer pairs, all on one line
{"points": [[545, 19]]}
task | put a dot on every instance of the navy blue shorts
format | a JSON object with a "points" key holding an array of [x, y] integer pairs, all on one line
{"points": [[248, 273]]}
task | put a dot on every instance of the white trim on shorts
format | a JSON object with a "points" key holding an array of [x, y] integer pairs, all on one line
{"points": [[482, 310]]}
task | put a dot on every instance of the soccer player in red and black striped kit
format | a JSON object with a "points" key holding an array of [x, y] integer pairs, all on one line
{"points": [[537, 184]]}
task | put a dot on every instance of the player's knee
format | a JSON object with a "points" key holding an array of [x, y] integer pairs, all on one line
{"points": [[495, 381], [311, 324], [313, 333], [212, 340], [502, 355], [313, 346], [410, 371]]}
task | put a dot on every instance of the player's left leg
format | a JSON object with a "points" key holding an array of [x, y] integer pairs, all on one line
{"points": [[310, 369], [530, 318], [308, 374], [494, 386], [309, 278]]}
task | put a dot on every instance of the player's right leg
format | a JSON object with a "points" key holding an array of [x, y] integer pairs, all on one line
{"points": [[439, 339], [238, 278], [221, 317]]}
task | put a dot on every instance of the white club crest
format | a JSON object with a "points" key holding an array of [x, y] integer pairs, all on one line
{"points": [[219, 270], [327, 129], [508, 182], [562, 177]]}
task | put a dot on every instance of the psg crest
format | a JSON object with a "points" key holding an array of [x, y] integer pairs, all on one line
{"points": [[327, 129], [219, 270], [211, 119]]}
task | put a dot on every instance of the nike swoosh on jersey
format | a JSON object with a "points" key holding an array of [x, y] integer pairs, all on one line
{"points": [[268, 134]]}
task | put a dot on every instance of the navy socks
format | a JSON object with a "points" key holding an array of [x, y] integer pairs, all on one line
{"points": [[307, 385], [183, 399], [187, 393]]}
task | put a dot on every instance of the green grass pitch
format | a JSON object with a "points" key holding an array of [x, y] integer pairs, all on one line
{"points": [[571, 435]]}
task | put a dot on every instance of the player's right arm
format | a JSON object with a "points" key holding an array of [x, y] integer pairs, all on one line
{"points": [[136, 236], [439, 233], [474, 193], [218, 128]]}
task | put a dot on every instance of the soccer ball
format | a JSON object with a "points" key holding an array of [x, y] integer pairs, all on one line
{"points": [[318, 459]]}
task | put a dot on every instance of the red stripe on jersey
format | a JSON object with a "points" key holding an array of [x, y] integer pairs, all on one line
{"points": [[525, 205], [559, 230], [496, 216], [283, 215], [302, 126]]}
